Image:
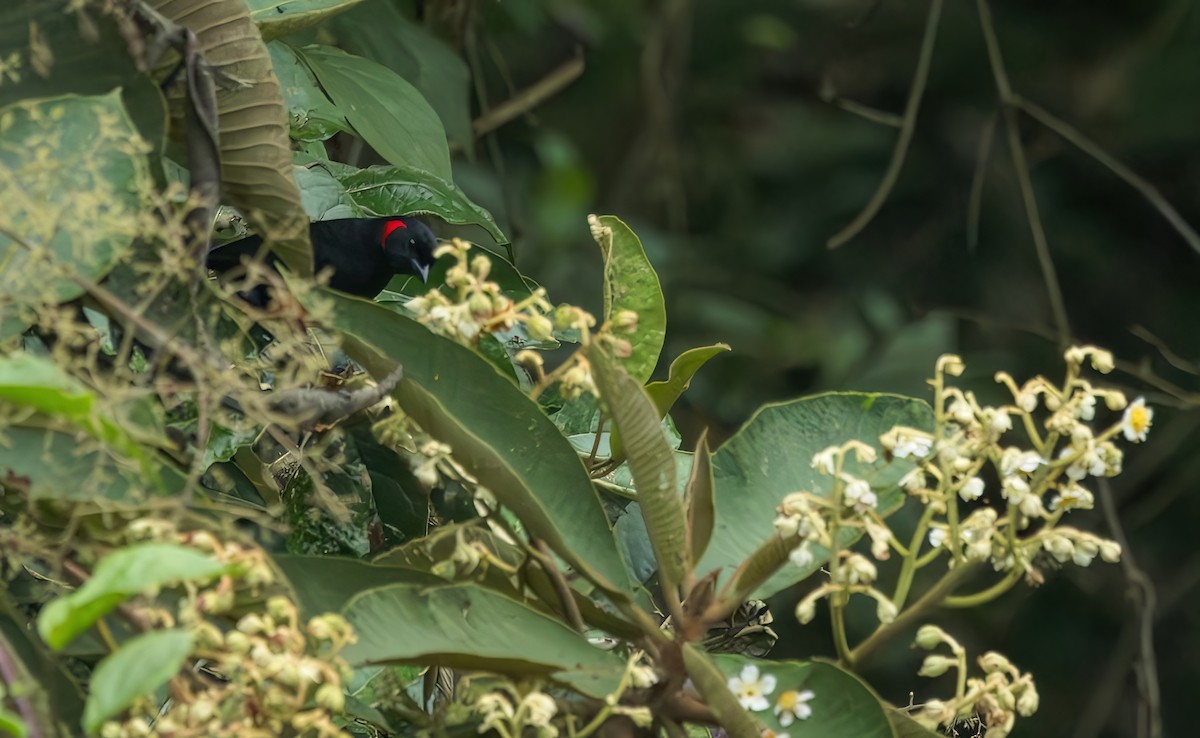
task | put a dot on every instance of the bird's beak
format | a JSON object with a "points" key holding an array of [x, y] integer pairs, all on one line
{"points": [[422, 272]]}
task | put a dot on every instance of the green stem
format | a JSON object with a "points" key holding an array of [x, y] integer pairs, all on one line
{"points": [[907, 618], [986, 595], [910, 565], [836, 611]]}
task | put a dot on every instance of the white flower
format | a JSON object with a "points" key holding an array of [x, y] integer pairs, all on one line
{"points": [[999, 422], [787, 525], [751, 688], [912, 445], [1031, 506], [1110, 551], [540, 708], [1137, 419], [962, 412], [1014, 459], [802, 556], [858, 495], [1073, 497], [1014, 489], [914, 481], [793, 705], [1086, 409], [972, 490], [823, 461], [937, 537]]}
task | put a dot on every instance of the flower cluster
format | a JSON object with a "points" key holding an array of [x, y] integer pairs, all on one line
{"points": [[1038, 483], [476, 305], [998, 696], [816, 524], [271, 673], [751, 687], [508, 713]]}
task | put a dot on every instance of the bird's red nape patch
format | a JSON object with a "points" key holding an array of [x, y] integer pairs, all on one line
{"points": [[388, 227]]}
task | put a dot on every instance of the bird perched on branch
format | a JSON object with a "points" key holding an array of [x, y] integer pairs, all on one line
{"points": [[364, 253]]}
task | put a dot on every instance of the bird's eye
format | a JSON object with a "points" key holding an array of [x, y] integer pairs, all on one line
{"points": [[412, 242]]}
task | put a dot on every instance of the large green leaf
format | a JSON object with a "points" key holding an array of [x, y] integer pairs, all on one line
{"points": [[771, 456], [842, 706], [277, 18], [122, 574], [467, 626], [323, 196], [384, 109], [385, 190], [312, 116], [74, 180], [378, 30], [501, 435], [630, 283], [139, 667], [652, 463], [327, 583]]}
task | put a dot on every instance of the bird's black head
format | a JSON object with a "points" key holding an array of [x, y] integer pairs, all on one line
{"points": [[409, 246]]}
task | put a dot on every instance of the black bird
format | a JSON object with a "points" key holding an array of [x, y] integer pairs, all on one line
{"points": [[364, 253]]}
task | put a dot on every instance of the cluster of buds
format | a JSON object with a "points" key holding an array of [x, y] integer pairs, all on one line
{"points": [[476, 305], [1039, 483], [816, 523], [271, 673], [998, 696], [509, 713]]}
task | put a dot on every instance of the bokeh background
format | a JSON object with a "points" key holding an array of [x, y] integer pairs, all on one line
{"points": [[737, 138]]}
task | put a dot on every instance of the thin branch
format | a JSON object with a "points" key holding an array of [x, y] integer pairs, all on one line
{"points": [[1168, 354], [975, 200], [1140, 589], [566, 597], [1089, 147], [1017, 151], [906, 619], [530, 97], [908, 127]]}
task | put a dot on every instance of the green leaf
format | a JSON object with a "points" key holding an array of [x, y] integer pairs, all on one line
{"points": [[495, 430], [379, 31], [906, 727], [714, 687], [36, 383], [327, 583], [139, 667], [11, 724], [652, 463], [842, 705], [53, 465], [699, 500], [79, 156], [389, 190], [771, 456], [630, 283], [465, 626], [679, 377], [384, 109], [129, 571], [323, 196], [276, 18], [312, 116]]}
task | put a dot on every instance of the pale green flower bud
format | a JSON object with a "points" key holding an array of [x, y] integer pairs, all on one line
{"points": [[1110, 551], [1027, 703], [936, 664], [540, 328], [626, 320], [930, 637], [885, 610], [331, 697], [992, 662], [251, 624]]}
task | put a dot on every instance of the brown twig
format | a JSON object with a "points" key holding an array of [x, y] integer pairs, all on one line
{"points": [[1140, 589], [570, 607], [907, 128], [1021, 167], [530, 97]]}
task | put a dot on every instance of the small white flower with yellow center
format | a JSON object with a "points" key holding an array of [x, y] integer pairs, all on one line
{"points": [[751, 688], [793, 705], [1137, 420]]}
